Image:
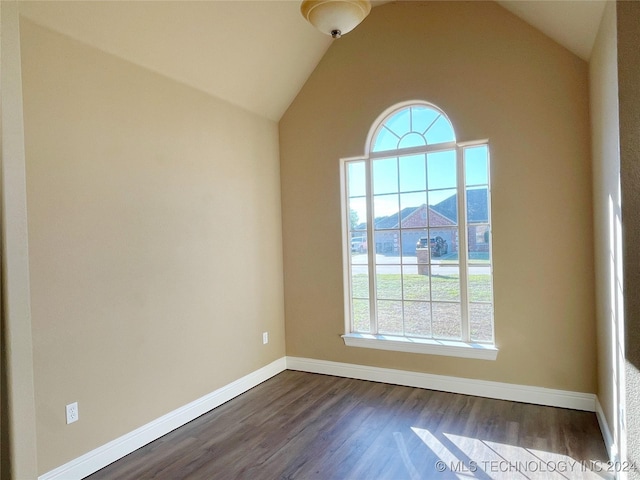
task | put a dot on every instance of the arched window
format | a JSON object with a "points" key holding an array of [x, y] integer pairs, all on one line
{"points": [[410, 127], [417, 235]]}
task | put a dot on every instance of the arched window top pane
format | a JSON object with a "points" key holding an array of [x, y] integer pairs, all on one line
{"points": [[412, 126], [423, 117], [400, 123], [441, 131], [411, 139], [385, 141]]}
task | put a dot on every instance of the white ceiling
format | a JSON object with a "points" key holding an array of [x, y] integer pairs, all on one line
{"points": [[254, 54], [572, 23]]}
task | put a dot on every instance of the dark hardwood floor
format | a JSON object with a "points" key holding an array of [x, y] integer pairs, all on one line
{"points": [[306, 426]]}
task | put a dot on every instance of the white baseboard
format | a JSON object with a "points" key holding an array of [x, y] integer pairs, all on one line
{"points": [[102, 456], [606, 433], [479, 388]]}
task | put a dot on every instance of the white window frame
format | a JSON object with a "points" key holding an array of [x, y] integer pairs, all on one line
{"points": [[464, 348]]}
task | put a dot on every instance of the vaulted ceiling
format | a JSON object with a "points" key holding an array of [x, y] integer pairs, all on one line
{"points": [[254, 54], [572, 23]]}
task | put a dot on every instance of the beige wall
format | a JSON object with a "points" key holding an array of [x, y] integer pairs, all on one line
{"points": [[154, 242], [497, 78], [628, 36], [17, 419], [603, 76]]}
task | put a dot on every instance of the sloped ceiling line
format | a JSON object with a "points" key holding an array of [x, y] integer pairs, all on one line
{"points": [[254, 54]]}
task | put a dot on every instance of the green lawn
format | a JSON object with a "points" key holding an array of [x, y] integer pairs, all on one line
{"points": [[474, 257], [421, 318]]}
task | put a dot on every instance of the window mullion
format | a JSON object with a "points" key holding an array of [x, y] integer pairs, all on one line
{"points": [[463, 244], [403, 152], [404, 330], [371, 249]]}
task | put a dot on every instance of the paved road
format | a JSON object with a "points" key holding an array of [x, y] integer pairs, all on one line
{"points": [[391, 264]]}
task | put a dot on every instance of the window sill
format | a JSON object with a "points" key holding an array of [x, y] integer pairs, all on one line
{"points": [[418, 345]]}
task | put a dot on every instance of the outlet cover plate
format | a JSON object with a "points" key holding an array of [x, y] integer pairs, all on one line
{"points": [[72, 412]]}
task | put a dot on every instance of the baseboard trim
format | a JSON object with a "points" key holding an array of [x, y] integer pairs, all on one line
{"points": [[612, 451], [479, 388], [102, 456]]}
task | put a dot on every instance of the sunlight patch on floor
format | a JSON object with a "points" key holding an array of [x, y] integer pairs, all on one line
{"points": [[468, 457]]}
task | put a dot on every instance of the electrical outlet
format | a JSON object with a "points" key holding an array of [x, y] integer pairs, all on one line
{"points": [[72, 412], [265, 338]]}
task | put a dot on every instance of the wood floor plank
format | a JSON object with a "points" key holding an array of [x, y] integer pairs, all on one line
{"points": [[306, 426]]}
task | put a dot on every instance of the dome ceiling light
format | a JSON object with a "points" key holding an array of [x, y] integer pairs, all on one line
{"points": [[335, 17]]}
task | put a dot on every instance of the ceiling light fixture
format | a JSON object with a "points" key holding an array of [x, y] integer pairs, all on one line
{"points": [[335, 17]]}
